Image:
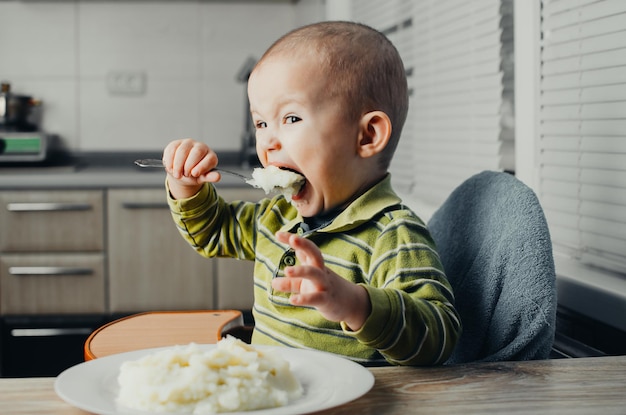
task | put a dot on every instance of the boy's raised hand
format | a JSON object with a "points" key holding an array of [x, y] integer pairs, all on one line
{"points": [[312, 284], [189, 164]]}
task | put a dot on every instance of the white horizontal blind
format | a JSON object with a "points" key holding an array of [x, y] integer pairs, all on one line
{"points": [[507, 66], [582, 141], [395, 19], [452, 53]]}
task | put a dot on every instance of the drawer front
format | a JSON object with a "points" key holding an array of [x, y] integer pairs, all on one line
{"points": [[51, 221], [52, 284]]}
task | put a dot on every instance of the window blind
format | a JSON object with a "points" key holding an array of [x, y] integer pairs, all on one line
{"points": [[395, 19], [582, 130], [460, 111]]}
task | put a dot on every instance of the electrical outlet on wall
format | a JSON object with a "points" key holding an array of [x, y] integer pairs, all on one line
{"points": [[126, 82]]}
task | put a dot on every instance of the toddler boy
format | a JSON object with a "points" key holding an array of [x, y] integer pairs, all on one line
{"points": [[344, 267]]}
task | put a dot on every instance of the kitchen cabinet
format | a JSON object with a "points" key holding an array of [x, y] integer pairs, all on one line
{"points": [[109, 251], [52, 278], [74, 257], [151, 267], [51, 221], [235, 279], [51, 252], [44, 284]]}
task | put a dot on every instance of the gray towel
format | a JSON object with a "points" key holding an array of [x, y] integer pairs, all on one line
{"points": [[495, 246]]}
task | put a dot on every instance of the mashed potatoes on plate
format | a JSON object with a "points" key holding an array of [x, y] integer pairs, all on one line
{"points": [[233, 376]]}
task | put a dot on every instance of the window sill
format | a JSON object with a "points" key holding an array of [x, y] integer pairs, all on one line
{"points": [[591, 292]]}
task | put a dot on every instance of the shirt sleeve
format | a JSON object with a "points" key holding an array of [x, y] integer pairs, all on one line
{"points": [[413, 320], [213, 227]]}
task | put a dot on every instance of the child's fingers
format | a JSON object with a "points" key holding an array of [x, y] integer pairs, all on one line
{"points": [[189, 158], [313, 299], [307, 252], [306, 288], [210, 177], [287, 285], [301, 278], [283, 237], [314, 275]]}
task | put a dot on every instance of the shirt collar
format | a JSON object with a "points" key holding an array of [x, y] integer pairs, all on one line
{"points": [[377, 198]]}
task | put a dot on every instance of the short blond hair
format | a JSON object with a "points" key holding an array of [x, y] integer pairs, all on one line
{"points": [[365, 70]]}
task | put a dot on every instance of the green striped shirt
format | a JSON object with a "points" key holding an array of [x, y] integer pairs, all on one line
{"points": [[376, 242]]}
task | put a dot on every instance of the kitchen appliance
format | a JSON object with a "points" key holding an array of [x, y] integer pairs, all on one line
{"points": [[22, 146], [20, 138], [16, 111], [43, 345]]}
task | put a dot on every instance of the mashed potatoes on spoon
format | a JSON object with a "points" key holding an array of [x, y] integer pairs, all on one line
{"points": [[272, 178]]}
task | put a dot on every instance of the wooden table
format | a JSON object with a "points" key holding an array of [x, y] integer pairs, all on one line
{"points": [[595, 386]]}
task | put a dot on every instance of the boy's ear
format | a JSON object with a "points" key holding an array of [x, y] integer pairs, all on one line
{"points": [[375, 130]]}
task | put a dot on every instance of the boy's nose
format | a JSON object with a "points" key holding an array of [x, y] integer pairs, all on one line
{"points": [[269, 142]]}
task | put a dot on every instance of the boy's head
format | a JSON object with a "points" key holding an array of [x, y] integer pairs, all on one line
{"points": [[329, 101], [363, 67]]}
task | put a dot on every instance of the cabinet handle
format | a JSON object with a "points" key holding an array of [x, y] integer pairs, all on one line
{"points": [[26, 271], [47, 207], [52, 332], [145, 205]]}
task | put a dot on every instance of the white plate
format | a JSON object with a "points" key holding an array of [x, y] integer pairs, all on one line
{"points": [[328, 381]]}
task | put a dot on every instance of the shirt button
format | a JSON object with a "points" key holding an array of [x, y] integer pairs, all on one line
{"points": [[289, 260]]}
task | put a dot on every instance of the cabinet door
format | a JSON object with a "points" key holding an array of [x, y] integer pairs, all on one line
{"points": [[235, 279], [52, 283], [151, 267], [51, 221]]}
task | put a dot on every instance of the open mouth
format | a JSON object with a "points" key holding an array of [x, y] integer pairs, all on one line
{"points": [[284, 180], [297, 191]]}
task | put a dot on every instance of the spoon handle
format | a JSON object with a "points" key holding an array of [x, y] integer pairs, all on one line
{"points": [[147, 163]]}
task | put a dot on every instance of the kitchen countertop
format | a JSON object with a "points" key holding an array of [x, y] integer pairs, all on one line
{"points": [[102, 173]]}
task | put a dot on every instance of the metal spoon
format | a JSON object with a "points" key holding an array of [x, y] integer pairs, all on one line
{"points": [[159, 164]]}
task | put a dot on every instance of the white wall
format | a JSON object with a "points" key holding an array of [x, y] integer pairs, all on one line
{"points": [[187, 52], [338, 9]]}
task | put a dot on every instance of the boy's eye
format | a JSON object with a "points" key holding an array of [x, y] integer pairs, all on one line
{"points": [[260, 124], [290, 119]]}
